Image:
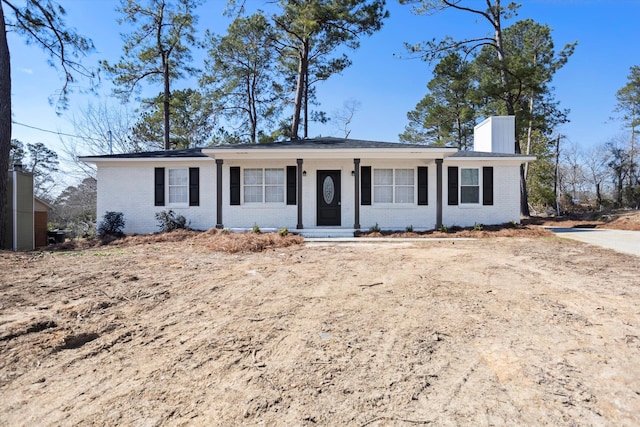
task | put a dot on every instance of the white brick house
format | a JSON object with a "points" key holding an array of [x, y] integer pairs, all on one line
{"points": [[317, 185]]}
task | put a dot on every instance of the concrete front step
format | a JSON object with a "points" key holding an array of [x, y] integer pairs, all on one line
{"points": [[311, 233]]}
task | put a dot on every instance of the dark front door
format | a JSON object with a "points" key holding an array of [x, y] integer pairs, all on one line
{"points": [[328, 195]]}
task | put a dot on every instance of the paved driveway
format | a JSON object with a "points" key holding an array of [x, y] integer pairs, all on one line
{"points": [[619, 240]]}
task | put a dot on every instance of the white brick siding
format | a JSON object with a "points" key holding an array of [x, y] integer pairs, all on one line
{"points": [[506, 197], [128, 187]]}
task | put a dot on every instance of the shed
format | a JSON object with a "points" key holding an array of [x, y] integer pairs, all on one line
{"points": [[41, 211]]}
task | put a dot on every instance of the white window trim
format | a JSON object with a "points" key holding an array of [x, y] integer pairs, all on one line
{"points": [[469, 204], [168, 191], [393, 186], [264, 185]]}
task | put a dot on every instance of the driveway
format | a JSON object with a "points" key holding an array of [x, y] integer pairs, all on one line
{"points": [[624, 241]]}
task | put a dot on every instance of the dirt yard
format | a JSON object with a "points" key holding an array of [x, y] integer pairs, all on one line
{"points": [[498, 331]]}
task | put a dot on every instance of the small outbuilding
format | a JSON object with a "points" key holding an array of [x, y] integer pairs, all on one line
{"points": [[19, 226]]}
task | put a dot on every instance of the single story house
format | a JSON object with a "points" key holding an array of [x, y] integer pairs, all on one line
{"points": [[319, 186]]}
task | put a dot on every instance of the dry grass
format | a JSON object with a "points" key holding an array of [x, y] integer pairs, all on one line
{"points": [[479, 232], [615, 220], [215, 240]]}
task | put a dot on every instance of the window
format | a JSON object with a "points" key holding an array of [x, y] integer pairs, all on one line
{"points": [[264, 185], [469, 186], [393, 186], [178, 186]]}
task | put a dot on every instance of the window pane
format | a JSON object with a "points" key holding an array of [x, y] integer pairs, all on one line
{"points": [[404, 176], [178, 194], [469, 194], [274, 194], [252, 194], [274, 176], [383, 177], [383, 194], [469, 177], [253, 177], [404, 194], [178, 177]]}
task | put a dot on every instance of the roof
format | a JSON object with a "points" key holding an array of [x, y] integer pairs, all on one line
{"points": [[322, 143], [485, 154], [329, 147], [161, 154]]}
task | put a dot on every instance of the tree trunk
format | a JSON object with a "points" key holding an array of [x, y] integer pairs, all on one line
{"points": [[303, 66], [306, 103], [166, 99], [5, 129]]}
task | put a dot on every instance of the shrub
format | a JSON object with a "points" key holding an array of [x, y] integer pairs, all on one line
{"points": [[443, 228], [112, 224], [410, 229], [374, 229], [169, 221], [478, 227], [256, 229], [283, 232]]}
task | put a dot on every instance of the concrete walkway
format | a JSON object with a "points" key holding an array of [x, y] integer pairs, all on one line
{"points": [[624, 241]]}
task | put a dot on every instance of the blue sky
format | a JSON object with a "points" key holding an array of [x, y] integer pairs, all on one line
{"points": [[385, 85]]}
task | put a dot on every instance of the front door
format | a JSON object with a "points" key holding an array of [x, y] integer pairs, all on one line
{"points": [[328, 196]]}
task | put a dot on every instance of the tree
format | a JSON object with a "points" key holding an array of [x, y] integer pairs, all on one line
{"points": [[628, 105], [40, 23], [541, 176], [342, 118], [311, 31], [595, 165], [619, 166], [446, 115], [158, 51], [75, 208], [505, 81], [39, 160], [102, 128], [43, 164], [192, 121], [241, 74]]}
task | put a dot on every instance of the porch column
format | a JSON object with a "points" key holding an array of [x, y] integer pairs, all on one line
{"points": [[438, 193], [299, 196], [356, 192], [219, 193]]}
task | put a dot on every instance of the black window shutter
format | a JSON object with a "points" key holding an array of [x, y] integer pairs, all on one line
{"points": [[291, 184], [159, 186], [487, 185], [234, 185], [423, 185], [365, 185], [194, 186], [452, 180]]}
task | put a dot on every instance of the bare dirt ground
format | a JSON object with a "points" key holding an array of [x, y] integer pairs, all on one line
{"points": [[498, 331]]}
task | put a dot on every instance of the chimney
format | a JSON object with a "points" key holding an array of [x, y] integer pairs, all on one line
{"points": [[497, 134]]}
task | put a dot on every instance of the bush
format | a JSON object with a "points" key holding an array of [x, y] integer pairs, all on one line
{"points": [[256, 229], [374, 229], [410, 229], [112, 224], [283, 232], [169, 221]]}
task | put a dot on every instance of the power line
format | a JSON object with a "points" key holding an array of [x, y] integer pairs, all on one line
{"points": [[53, 131]]}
